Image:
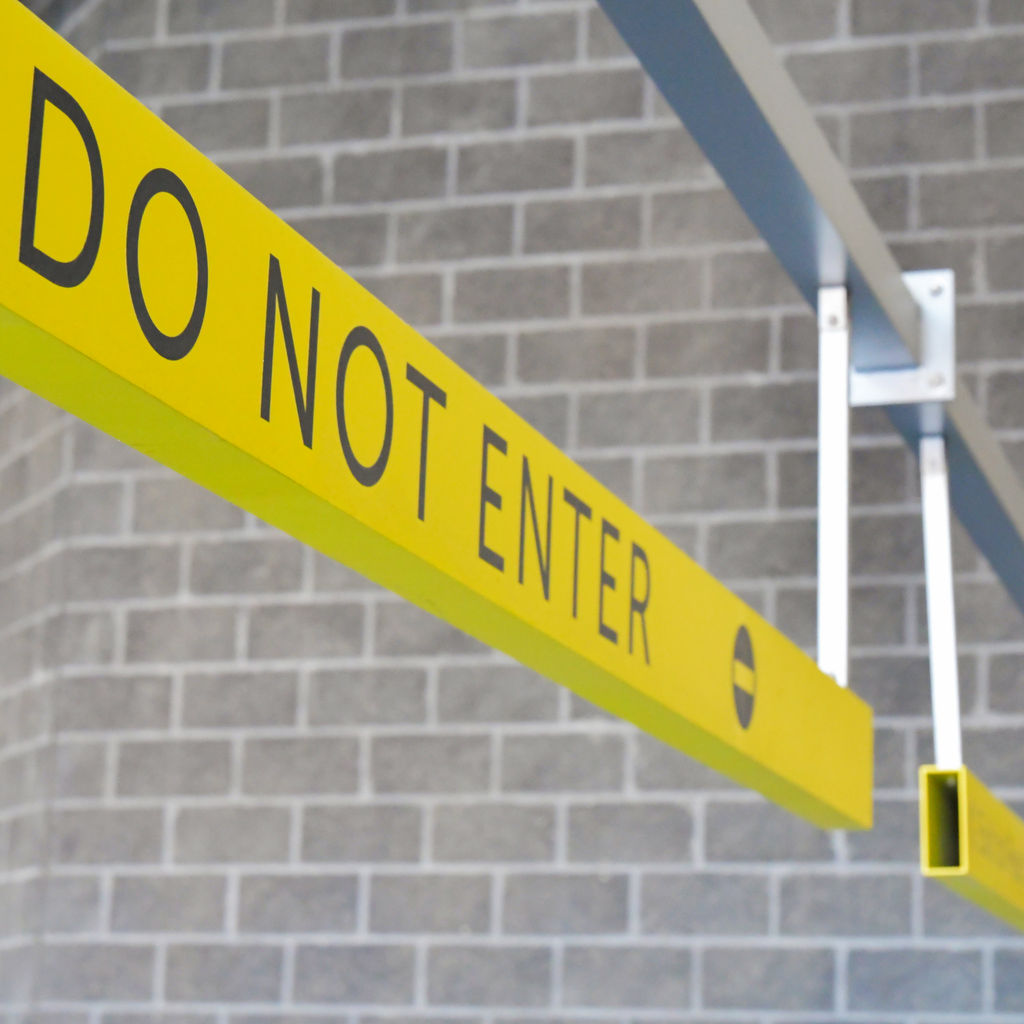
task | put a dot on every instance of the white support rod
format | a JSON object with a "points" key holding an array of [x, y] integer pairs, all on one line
{"points": [[938, 572], [834, 484]]}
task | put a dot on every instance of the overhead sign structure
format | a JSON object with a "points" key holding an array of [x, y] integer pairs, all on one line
{"points": [[147, 293], [972, 842]]}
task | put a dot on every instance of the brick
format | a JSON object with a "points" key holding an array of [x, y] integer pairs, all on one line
{"points": [[300, 766], [877, 615], [620, 976], [180, 505], [746, 832], [701, 217], [105, 836], [854, 75], [453, 234], [430, 764], [180, 634], [240, 699], [762, 549], [231, 567], [493, 832], [972, 198], [64, 905], [222, 124], [90, 510], [929, 135], [79, 769], [280, 181], [442, 107], [706, 483], [416, 298], [314, 630], [205, 16], [599, 353], [374, 833], [115, 19], [984, 614], [994, 754], [94, 971], [173, 768], [648, 417], [405, 629], [396, 50], [709, 904], [339, 115], [1002, 262], [703, 347], [348, 241], [945, 982], [475, 976], [520, 166], [504, 294], [764, 411], [1009, 980], [258, 63], [893, 837], [231, 974], [430, 903], [410, 173], [547, 414], [995, 329], [887, 198], [584, 97], [354, 974], [483, 355], [329, 575], [562, 763], [281, 903], [151, 903], [751, 280], [862, 905], [1006, 676], [565, 904], [630, 832], [109, 573], [231, 834], [877, 476], [648, 286], [970, 65], [159, 71], [495, 693], [790, 21], [112, 702], [519, 40], [575, 225], [779, 979], [877, 17], [367, 696], [900, 684], [303, 11]]}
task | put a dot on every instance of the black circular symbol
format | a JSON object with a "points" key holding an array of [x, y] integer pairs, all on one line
{"points": [[744, 677]]}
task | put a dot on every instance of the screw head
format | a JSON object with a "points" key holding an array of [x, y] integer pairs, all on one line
{"points": [[833, 320], [936, 290], [936, 380]]}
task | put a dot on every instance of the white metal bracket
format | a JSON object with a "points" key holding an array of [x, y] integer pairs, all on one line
{"points": [[927, 386], [935, 379]]}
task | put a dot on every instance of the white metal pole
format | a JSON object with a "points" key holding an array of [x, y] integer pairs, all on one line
{"points": [[938, 570], [834, 483]]}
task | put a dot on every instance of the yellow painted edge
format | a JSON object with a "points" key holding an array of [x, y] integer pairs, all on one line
{"points": [[195, 452]]}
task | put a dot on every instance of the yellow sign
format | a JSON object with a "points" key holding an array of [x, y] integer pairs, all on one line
{"points": [[972, 842], [149, 294]]}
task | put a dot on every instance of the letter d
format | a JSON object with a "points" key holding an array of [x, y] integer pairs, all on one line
{"points": [[73, 272]]}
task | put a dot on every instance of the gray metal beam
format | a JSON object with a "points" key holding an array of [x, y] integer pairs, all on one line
{"points": [[718, 70]]}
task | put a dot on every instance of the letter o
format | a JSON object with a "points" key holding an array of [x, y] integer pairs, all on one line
{"points": [[170, 346], [363, 337]]}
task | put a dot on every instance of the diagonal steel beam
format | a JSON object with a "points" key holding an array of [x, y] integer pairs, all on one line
{"points": [[717, 69]]}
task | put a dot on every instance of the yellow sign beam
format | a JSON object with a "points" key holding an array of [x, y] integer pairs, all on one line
{"points": [[972, 842], [149, 294]]}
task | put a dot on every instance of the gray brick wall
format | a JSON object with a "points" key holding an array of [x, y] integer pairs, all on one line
{"points": [[241, 785]]}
